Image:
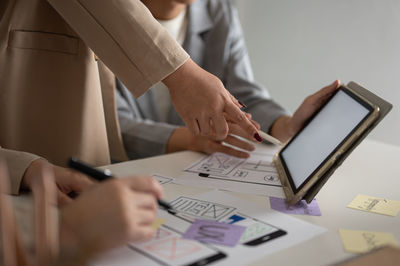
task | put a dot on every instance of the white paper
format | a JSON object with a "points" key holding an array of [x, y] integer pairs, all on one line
{"points": [[162, 179], [167, 248], [255, 175]]}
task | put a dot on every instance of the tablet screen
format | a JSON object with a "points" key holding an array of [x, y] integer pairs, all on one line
{"points": [[313, 145]]}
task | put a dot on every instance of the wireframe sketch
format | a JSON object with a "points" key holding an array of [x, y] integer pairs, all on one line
{"points": [[167, 247], [201, 209], [217, 163], [261, 166], [258, 169], [173, 248]]}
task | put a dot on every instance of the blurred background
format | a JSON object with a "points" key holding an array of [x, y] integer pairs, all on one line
{"points": [[298, 46]]}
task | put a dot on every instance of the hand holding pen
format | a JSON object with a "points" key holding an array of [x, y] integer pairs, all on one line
{"points": [[100, 175]]}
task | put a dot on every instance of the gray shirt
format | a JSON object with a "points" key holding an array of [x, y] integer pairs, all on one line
{"points": [[214, 40]]}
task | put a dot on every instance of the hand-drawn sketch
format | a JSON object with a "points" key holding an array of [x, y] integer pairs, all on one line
{"points": [[370, 240], [261, 166], [255, 230], [190, 209], [217, 163], [258, 169], [162, 179], [369, 204], [173, 248], [167, 247], [200, 209], [241, 173], [161, 233]]}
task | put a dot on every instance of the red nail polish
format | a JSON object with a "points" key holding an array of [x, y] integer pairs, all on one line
{"points": [[257, 137]]}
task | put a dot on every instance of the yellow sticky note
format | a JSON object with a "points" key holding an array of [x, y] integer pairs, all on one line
{"points": [[376, 205], [364, 241], [158, 222]]}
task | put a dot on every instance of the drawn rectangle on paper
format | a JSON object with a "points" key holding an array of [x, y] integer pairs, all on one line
{"points": [[167, 247], [258, 169], [261, 166], [216, 164], [214, 232], [201, 209]]}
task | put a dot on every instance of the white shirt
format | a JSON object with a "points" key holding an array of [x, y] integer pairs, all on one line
{"points": [[177, 28]]}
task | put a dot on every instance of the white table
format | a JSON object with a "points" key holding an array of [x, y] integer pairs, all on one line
{"points": [[372, 169]]}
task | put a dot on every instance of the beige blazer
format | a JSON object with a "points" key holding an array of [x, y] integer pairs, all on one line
{"points": [[52, 90]]}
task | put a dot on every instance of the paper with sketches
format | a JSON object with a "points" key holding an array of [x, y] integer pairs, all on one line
{"points": [[214, 232], [163, 179], [267, 231], [301, 207], [375, 205], [364, 241], [256, 175]]}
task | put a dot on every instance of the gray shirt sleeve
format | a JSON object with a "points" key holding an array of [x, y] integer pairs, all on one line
{"points": [[142, 137], [239, 80]]}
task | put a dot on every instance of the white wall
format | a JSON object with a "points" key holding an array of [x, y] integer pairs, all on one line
{"points": [[298, 46]]}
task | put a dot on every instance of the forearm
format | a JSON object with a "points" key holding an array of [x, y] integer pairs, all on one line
{"points": [[281, 128]]}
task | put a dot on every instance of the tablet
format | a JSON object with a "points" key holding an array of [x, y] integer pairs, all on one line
{"points": [[323, 140]]}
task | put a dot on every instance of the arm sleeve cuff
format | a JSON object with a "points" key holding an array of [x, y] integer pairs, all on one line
{"points": [[17, 163]]}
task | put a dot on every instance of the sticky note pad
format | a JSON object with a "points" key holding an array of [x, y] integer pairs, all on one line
{"points": [[158, 222], [214, 232], [364, 241], [376, 205], [301, 207]]}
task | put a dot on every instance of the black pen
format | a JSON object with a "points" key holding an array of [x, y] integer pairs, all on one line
{"points": [[104, 175]]}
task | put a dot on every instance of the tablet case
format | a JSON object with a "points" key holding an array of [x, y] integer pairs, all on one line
{"points": [[384, 108]]}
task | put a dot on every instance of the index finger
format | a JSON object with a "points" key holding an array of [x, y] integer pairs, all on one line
{"points": [[144, 184], [235, 115]]}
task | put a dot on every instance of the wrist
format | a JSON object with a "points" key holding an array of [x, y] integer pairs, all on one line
{"points": [[179, 140], [175, 79], [282, 128]]}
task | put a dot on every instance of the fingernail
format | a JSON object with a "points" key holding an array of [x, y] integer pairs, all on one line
{"points": [[242, 104], [257, 137]]}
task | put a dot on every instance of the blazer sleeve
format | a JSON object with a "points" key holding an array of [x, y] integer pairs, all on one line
{"points": [[239, 80], [17, 162], [124, 34]]}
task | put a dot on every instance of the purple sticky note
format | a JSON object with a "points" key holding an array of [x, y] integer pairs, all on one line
{"points": [[301, 207], [214, 232]]}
